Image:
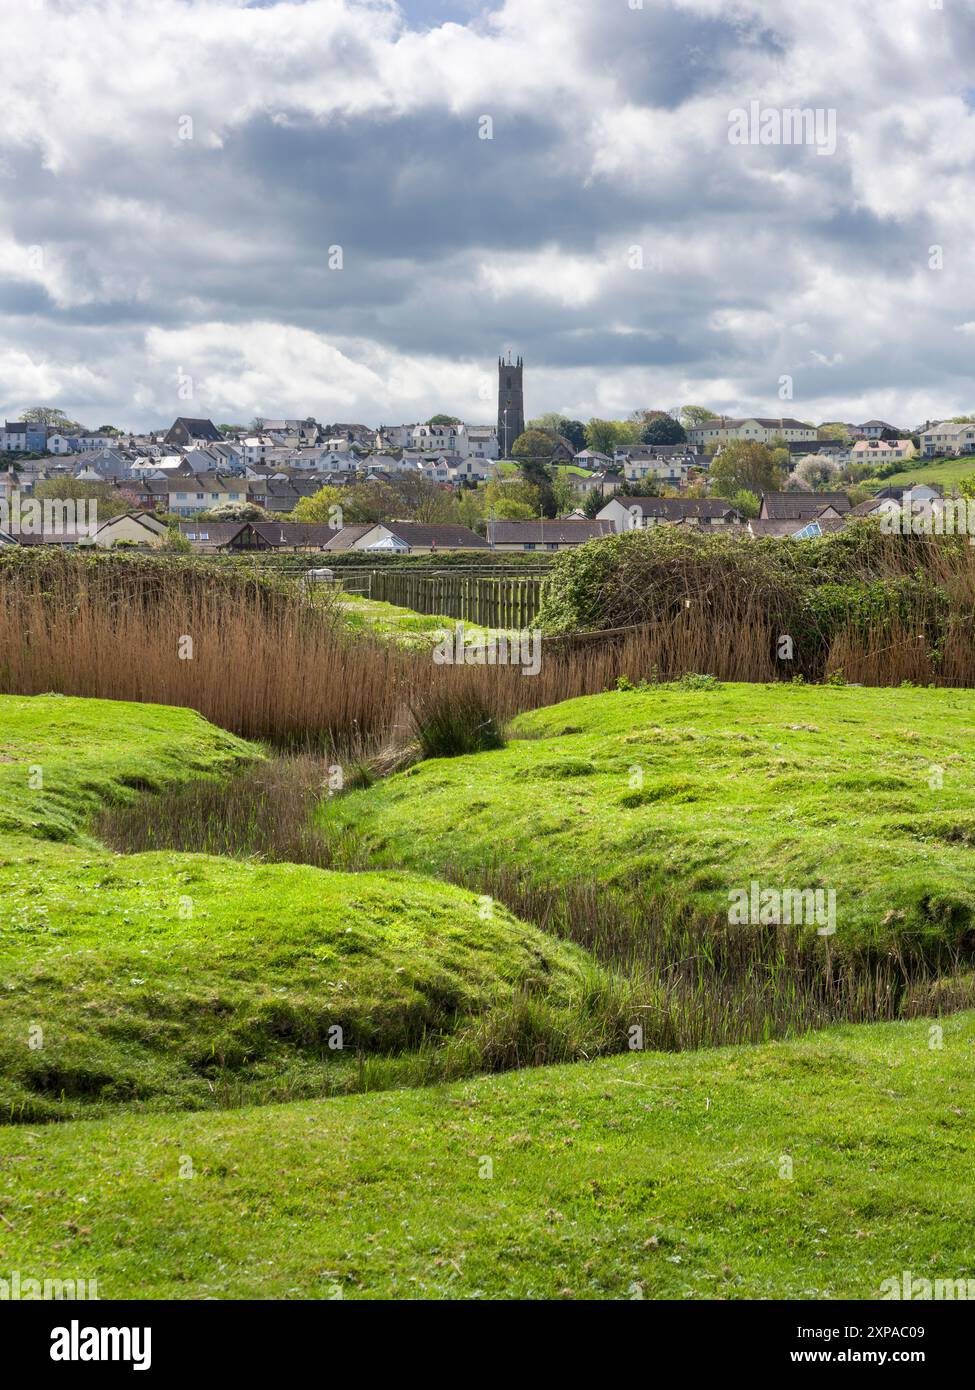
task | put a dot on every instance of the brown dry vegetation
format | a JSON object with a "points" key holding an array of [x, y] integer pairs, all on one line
{"points": [[267, 663]]}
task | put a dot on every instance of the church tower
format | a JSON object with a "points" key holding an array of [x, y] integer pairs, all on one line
{"points": [[511, 404]]}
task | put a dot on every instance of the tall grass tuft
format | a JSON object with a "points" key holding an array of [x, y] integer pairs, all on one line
{"points": [[450, 724]]}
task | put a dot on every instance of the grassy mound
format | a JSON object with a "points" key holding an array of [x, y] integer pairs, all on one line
{"points": [[60, 759], [170, 979], [813, 1169], [673, 796]]}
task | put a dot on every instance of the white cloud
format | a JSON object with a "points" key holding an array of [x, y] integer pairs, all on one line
{"points": [[335, 121]]}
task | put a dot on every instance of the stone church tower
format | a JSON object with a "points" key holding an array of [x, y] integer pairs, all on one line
{"points": [[511, 404]]}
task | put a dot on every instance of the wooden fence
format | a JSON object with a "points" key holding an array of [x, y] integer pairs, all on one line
{"points": [[481, 596]]}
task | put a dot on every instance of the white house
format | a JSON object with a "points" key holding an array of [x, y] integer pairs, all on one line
{"points": [[872, 429], [437, 439], [188, 496], [473, 470], [479, 441], [436, 470], [882, 450], [948, 438], [395, 436], [13, 437], [755, 429]]}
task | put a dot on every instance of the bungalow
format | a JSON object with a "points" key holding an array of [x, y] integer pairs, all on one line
{"points": [[638, 513], [346, 538], [212, 536], [140, 528], [545, 535], [801, 506], [797, 529], [592, 459], [407, 537]]}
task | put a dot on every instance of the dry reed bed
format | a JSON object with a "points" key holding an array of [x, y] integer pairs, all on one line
{"points": [[268, 664]]}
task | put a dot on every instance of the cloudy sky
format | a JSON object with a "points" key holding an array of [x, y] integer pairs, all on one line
{"points": [[223, 208]]}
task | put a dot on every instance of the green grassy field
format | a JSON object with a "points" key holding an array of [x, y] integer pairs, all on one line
{"points": [[191, 980], [641, 1176], [947, 471], [686, 794], [141, 990], [403, 626]]}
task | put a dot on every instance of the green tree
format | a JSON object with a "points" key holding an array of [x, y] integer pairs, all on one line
{"points": [[693, 415], [511, 499], [369, 502], [818, 473], [236, 511], [320, 509], [595, 501], [575, 432], [563, 492], [110, 502], [606, 435], [746, 503], [175, 542], [470, 507], [533, 444], [536, 472], [444, 420], [744, 464], [422, 500], [46, 415], [663, 430], [554, 424]]}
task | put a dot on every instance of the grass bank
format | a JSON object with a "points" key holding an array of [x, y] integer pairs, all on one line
{"points": [[168, 979], [811, 1169], [624, 821]]}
